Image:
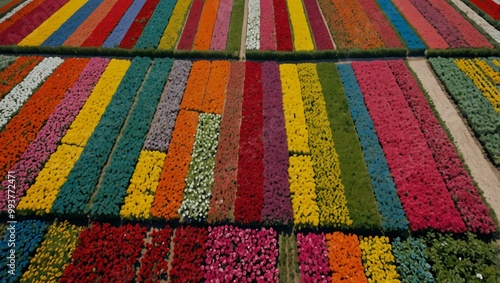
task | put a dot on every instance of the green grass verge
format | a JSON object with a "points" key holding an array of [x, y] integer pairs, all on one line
{"points": [[358, 190], [236, 26], [463, 52]]}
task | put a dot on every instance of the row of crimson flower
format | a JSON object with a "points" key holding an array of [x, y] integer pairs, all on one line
{"points": [[474, 212], [421, 188]]}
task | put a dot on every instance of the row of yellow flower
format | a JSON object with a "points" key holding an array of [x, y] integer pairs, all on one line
{"points": [[295, 120], [332, 201], [482, 83], [174, 26], [302, 39], [41, 195], [143, 184], [48, 27], [488, 71], [378, 259], [54, 253], [303, 191]]}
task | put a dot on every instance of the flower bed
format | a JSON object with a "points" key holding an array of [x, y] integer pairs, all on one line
{"points": [[190, 245], [283, 32], [153, 31], [378, 259], [16, 72], [302, 39], [381, 24], [221, 28], [411, 260], [474, 213], [215, 93], [252, 41], [154, 263], [191, 25], [313, 258], [101, 245], [125, 23], [344, 256], [54, 253], [132, 33], [423, 192], [226, 159], [175, 25], [208, 17], [319, 30], [388, 203], [200, 177], [196, 86], [47, 139], [329, 188], [235, 254], [277, 208], [267, 26], [249, 196]]}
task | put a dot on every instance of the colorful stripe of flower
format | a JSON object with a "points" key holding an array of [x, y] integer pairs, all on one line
{"points": [[154, 263], [215, 93], [313, 258], [344, 256], [151, 35], [17, 13], [253, 25], [191, 26], [302, 39], [208, 17], [125, 25], [175, 25], [133, 32], [378, 259], [221, 28], [196, 86]]}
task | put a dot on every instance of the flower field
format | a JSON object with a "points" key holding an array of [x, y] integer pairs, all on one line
{"points": [[242, 171], [220, 25]]}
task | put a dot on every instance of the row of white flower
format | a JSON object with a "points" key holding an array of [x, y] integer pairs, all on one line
{"points": [[15, 99], [253, 25], [15, 10]]}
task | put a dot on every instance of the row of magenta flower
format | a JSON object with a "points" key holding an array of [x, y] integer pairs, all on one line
{"points": [[65, 252], [220, 141]]}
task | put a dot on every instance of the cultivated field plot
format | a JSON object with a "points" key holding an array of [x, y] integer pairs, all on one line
{"points": [[266, 25], [223, 170]]}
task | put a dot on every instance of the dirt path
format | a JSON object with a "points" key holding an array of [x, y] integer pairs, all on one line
{"points": [[243, 48], [486, 176]]}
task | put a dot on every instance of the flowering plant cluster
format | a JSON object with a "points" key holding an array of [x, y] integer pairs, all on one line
{"points": [[215, 93], [105, 254], [474, 212], [153, 31], [190, 245], [467, 96], [344, 256], [384, 29], [489, 69], [191, 25], [411, 260], [313, 258], [378, 259], [115, 180], [283, 32], [168, 197], [48, 138], [318, 27], [421, 188], [31, 117], [54, 253], [28, 235], [196, 86], [226, 159], [221, 27], [235, 254], [277, 207], [16, 72], [331, 199], [252, 41], [175, 25], [389, 205], [84, 176], [200, 178], [267, 26], [205, 30], [249, 197], [134, 22], [154, 263], [302, 39], [296, 128], [14, 100]]}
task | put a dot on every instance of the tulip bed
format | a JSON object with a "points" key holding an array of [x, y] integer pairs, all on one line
{"points": [[214, 171], [471, 89]]}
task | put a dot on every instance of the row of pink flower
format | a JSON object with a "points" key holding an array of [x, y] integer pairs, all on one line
{"points": [[236, 255], [277, 208], [48, 138], [221, 28], [423, 193], [313, 258], [267, 25], [468, 201]]}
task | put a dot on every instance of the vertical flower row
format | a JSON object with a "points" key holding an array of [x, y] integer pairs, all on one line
{"points": [[200, 178], [154, 263], [84, 176], [313, 258], [235, 254], [196, 86], [190, 251], [48, 138], [54, 253], [253, 25], [378, 259], [130, 27], [175, 25], [412, 260], [249, 197], [344, 257], [59, 165], [277, 207], [384, 189], [226, 159], [302, 39], [153, 31], [331, 199], [110, 195], [16, 72], [23, 238], [101, 245]]}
